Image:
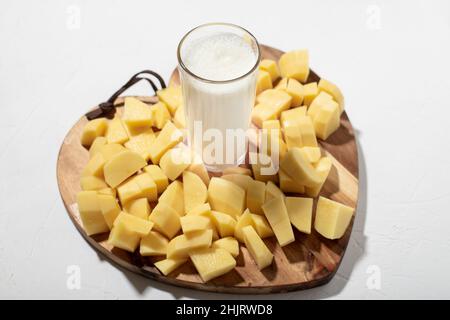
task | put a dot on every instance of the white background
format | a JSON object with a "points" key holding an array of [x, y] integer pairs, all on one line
{"points": [[390, 58]]}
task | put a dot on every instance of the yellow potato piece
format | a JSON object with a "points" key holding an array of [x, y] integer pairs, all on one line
{"points": [[109, 207], [257, 248], [174, 162], [308, 132], [262, 112], [294, 89], [195, 191], [293, 137], [172, 97], [323, 168], [167, 266], [310, 92], [91, 213], [160, 115], [141, 143], [128, 191], [141, 227], [321, 99], [121, 237], [229, 244], [179, 119], [276, 99], [136, 114], [333, 90], [224, 223], [327, 119], [92, 183], [332, 218], [147, 186], [276, 213], [271, 67], [263, 167], [239, 179], [96, 145], [138, 207], [290, 117], [93, 129], [212, 262], [271, 138], [272, 191], [190, 223], [297, 166], [153, 244], [180, 246], [295, 64], [122, 166], [168, 137], [110, 150], [244, 220], [300, 213], [256, 196], [287, 184], [116, 132], [173, 196], [263, 81], [199, 169], [313, 154], [95, 166], [203, 209], [107, 191], [225, 196], [166, 220], [237, 170], [261, 226], [158, 177]]}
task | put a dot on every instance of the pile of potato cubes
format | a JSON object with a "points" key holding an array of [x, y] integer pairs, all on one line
{"points": [[134, 189]]}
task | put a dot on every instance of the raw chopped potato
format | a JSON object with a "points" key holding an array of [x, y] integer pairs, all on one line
{"points": [[136, 114], [116, 132], [179, 118], [300, 212], [295, 64], [237, 170], [271, 67], [168, 137], [297, 166], [276, 213], [273, 191], [195, 191], [212, 262], [93, 129], [173, 196], [256, 196], [110, 208], [313, 154], [141, 227], [92, 183], [153, 244], [190, 223], [172, 97], [244, 220], [333, 90], [174, 162], [166, 266], [141, 143], [166, 220], [310, 91], [225, 196], [182, 245], [261, 225], [323, 168], [138, 207], [276, 99], [257, 248], [96, 145], [229, 244], [332, 218], [287, 184], [158, 177], [263, 81], [160, 115], [122, 166], [294, 89], [91, 213], [241, 180]]}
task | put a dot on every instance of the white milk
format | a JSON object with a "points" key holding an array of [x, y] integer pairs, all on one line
{"points": [[218, 105]]}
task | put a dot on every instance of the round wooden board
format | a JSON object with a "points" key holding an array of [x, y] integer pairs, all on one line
{"points": [[308, 262]]}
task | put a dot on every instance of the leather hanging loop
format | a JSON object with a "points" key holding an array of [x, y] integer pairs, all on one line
{"points": [[108, 108]]}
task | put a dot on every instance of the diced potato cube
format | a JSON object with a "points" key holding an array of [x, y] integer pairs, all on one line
{"points": [[122, 166], [92, 183], [121, 237], [257, 248], [333, 90], [93, 129], [136, 114], [174, 162], [195, 191], [94, 167], [147, 186], [172, 97], [96, 145], [272, 191], [237, 170], [173, 196], [166, 219], [300, 212], [271, 140], [190, 223], [277, 99], [262, 112], [198, 167], [110, 150], [229, 244], [290, 117], [256, 195], [261, 225], [263, 167], [224, 223], [313, 154], [158, 177], [244, 220], [263, 81], [179, 119], [310, 91], [202, 210], [239, 179], [167, 266], [293, 137], [91, 213], [276, 213], [153, 244], [116, 132], [141, 227], [180, 246], [287, 184], [294, 89], [271, 67], [318, 102], [110, 208], [225, 196], [327, 120], [168, 137], [308, 132], [128, 191], [160, 114], [138, 207], [107, 191], [295, 64], [299, 168], [323, 168], [141, 143], [212, 262], [332, 218]]}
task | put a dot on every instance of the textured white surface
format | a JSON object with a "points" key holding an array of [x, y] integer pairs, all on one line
{"points": [[394, 72]]}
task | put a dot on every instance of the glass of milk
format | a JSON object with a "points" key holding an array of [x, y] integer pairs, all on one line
{"points": [[218, 66]]}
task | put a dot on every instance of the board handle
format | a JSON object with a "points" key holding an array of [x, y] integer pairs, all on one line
{"points": [[108, 108]]}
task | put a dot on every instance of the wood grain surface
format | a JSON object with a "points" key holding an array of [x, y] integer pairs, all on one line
{"points": [[308, 262]]}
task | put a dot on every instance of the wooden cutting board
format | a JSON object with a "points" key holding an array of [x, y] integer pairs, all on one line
{"points": [[308, 262]]}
